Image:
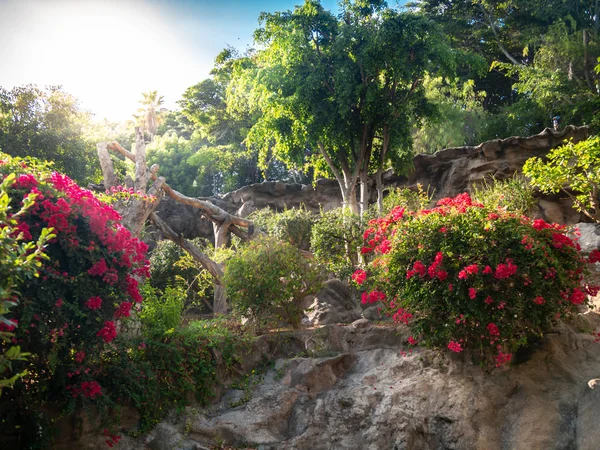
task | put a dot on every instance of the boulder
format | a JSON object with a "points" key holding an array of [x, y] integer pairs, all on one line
{"points": [[336, 302]]}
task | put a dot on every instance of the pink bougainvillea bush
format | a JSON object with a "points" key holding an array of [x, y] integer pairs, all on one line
{"points": [[67, 315], [464, 276]]}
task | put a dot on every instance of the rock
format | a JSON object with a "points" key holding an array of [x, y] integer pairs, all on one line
{"points": [[589, 238], [372, 397], [447, 173], [336, 302], [360, 323], [551, 211], [587, 430]]}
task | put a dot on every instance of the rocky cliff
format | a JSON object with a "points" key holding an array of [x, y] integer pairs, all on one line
{"points": [[447, 173], [359, 386]]}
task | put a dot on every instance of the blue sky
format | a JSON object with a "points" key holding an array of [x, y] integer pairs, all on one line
{"points": [[107, 52]]}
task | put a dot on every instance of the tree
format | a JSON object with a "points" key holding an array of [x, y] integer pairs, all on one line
{"points": [[573, 169], [340, 90], [139, 208], [151, 113], [47, 124]]}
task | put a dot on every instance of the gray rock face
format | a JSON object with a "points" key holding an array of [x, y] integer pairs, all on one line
{"points": [[336, 302], [359, 391], [589, 238], [447, 173]]}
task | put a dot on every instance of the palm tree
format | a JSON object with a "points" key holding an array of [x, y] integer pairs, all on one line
{"points": [[151, 113]]}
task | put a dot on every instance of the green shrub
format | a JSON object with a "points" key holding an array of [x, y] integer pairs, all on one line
{"points": [[513, 195], [19, 261], [573, 169], [407, 198], [161, 312], [292, 225], [266, 280], [336, 238], [171, 266], [467, 276], [157, 374]]}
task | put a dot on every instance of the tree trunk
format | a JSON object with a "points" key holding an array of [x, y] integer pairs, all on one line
{"points": [[379, 183], [364, 192], [106, 164], [221, 240]]}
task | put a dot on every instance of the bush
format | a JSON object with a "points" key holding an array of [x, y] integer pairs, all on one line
{"points": [[267, 280], [573, 169], [467, 276], [156, 374], [513, 195], [73, 308], [336, 238], [19, 261], [161, 312], [292, 225], [171, 266], [409, 199]]}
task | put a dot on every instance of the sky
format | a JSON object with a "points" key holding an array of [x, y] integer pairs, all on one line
{"points": [[107, 52]]}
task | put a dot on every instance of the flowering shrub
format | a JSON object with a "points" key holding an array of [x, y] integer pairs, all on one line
{"points": [[464, 276], [88, 284]]}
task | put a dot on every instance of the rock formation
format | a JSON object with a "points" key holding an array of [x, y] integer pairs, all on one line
{"points": [[361, 387], [447, 172]]}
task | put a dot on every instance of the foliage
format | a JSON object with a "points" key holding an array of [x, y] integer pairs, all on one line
{"points": [[340, 93], [161, 314], [293, 226], [514, 195], [85, 289], [459, 118], [409, 199], [171, 266], [465, 276], [156, 374], [19, 261], [267, 280], [48, 125], [336, 238], [573, 169], [150, 114]]}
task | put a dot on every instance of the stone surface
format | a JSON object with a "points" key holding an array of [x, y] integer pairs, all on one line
{"points": [[589, 238], [336, 302], [359, 392], [447, 173]]}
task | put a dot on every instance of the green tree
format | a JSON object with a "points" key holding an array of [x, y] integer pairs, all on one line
{"points": [[48, 124], [339, 92]]}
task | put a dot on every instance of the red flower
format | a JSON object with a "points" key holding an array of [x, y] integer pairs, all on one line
{"points": [[493, 329], [502, 358], [469, 270], [108, 332], [94, 303], [540, 224], [412, 340], [124, 310], [79, 356], [99, 268], [419, 267], [577, 297], [539, 300], [472, 293], [359, 276], [455, 347], [58, 303], [594, 256], [505, 270], [402, 316], [489, 300], [487, 271]]}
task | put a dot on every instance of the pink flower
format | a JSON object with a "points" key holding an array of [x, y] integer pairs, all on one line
{"points": [[502, 358], [412, 341], [489, 300], [58, 303], [487, 271], [472, 293]]}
